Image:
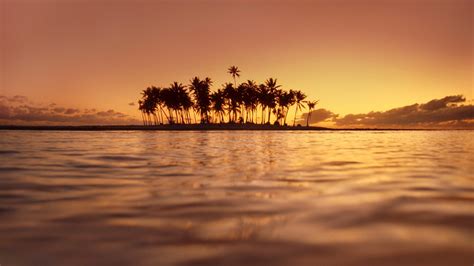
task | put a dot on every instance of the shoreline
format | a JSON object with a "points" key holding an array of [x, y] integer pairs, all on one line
{"points": [[196, 127], [176, 127]]}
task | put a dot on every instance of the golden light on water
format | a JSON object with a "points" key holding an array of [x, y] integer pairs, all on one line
{"points": [[239, 197]]}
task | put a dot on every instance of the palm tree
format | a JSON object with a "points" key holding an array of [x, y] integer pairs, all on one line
{"points": [[205, 99], [311, 105], [250, 99], [141, 108], [181, 102], [235, 72], [299, 97], [170, 102], [232, 100], [201, 91], [158, 102], [240, 96], [272, 87], [218, 104], [149, 105], [263, 95], [239, 102], [186, 103], [284, 99]]}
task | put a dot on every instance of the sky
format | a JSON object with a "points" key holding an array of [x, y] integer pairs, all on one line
{"points": [[354, 56]]}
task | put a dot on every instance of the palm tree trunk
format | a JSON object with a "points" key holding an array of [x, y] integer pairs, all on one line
{"points": [[294, 120], [170, 117], [143, 119], [158, 116], [307, 118], [182, 116], [164, 113]]}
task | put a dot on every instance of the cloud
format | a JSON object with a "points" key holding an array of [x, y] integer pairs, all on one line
{"points": [[20, 110], [437, 113], [59, 110], [317, 116], [442, 103], [14, 99], [71, 111]]}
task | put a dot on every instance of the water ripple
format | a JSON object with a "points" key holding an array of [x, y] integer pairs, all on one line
{"points": [[235, 198]]}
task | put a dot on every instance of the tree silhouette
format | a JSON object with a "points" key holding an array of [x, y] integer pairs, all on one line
{"points": [[238, 103], [232, 101], [299, 97], [170, 102], [263, 95], [311, 105], [218, 104], [149, 105], [141, 108], [158, 103], [235, 72], [270, 100], [250, 100], [285, 99], [201, 90], [181, 102]]}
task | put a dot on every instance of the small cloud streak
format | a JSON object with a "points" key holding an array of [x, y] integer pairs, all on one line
{"points": [[71, 111], [448, 112], [14, 99], [19, 110]]}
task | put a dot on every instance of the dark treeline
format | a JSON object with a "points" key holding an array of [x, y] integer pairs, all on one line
{"points": [[248, 102]]}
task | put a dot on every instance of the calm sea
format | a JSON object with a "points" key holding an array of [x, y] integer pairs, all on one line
{"points": [[237, 198]]}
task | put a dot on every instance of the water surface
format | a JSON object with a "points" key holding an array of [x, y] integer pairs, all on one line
{"points": [[236, 198]]}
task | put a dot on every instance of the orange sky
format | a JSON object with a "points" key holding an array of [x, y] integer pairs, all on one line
{"points": [[354, 56]]}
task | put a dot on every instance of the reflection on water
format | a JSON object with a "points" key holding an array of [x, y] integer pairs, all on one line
{"points": [[236, 198]]}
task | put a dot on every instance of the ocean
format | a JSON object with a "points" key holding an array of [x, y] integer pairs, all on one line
{"points": [[236, 197]]}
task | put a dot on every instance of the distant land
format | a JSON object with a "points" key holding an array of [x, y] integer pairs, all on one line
{"points": [[178, 127], [192, 127]]}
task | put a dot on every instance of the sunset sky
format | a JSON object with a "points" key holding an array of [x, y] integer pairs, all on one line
{"points": [[354, 56]]}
